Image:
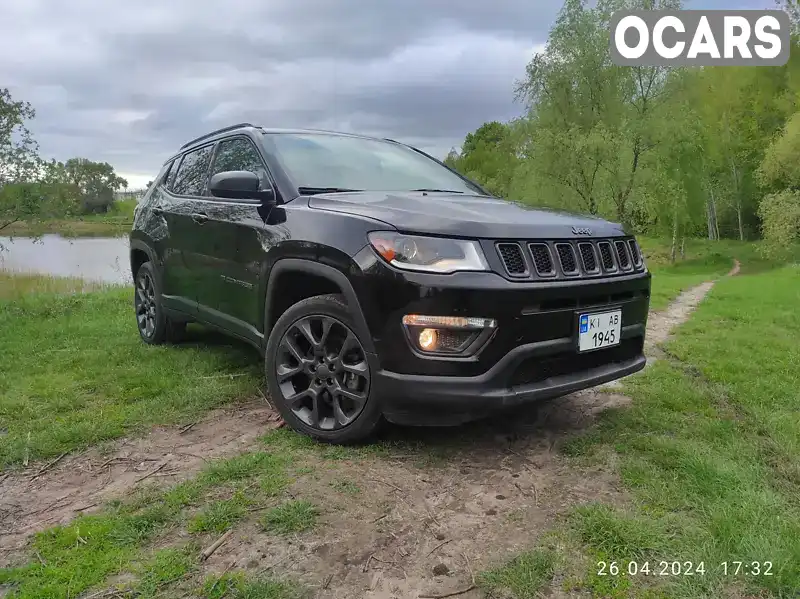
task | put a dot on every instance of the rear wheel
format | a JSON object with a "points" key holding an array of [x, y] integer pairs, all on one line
{"points": [[153, 324], [318, 374]]}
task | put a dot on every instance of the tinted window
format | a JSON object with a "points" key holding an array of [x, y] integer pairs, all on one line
{"points": [[166, 172], [239, 154], [173, 170], [320, 160], [192, 174]]}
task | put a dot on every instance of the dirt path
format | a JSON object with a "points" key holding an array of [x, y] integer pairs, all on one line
{"points": [[82, 482], [501, 484]]}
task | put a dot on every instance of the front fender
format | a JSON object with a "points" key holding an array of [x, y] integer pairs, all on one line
{"points": [[331, 273]]}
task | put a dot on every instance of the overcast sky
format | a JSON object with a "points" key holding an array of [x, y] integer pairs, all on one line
{"points": [[129, 81]]}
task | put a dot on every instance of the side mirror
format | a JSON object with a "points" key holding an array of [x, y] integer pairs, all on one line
{"points": [[240, 185]]}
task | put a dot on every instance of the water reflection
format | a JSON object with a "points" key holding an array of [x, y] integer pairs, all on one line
{"points": [[103, 259]]}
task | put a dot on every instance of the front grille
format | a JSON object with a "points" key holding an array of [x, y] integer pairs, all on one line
{"points": [[566, 256], [622, 254], [606, 256], [637, 255], [588, 257], [513, 260], [536, 370], [542, 259]]}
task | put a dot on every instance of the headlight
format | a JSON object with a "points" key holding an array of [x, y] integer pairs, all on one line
{"points": [[428, 254]]}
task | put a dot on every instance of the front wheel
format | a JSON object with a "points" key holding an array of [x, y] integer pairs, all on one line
{"points": [[318, 374]]}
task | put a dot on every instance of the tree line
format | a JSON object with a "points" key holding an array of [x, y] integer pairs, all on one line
{"points": [[677, 152], [33, 188]]}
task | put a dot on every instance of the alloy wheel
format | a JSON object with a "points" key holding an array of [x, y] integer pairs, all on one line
{"points": [[322, 372], [145, 304]]}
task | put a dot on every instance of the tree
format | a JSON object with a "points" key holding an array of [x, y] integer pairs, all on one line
{"points": [[96, 181], [792, 8], [488, 156], [780, 173], [18, 150], [31, 190], [576, 96]]}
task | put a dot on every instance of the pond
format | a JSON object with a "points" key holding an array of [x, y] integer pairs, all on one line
{"points": [[103, 259]]}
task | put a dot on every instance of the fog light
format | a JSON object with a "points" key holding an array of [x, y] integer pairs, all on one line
{"points": [[427, 339], [454, 335]]}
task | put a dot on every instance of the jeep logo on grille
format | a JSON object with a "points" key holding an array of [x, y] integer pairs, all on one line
{"points": [[581, 231]]}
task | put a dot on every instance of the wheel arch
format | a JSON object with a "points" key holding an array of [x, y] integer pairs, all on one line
{"points": [[317, 279], [140, 253]]}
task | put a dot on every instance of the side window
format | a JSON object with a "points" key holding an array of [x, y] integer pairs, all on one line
{"points": [[158, 181], [169, 182], [193, 172], [239, 154], [164, 176]]}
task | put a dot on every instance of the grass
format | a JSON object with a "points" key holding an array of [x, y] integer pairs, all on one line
{"points": [[75, 373], [219, 516], [346, 486], [117, 222], [84, 554], [524, 576], [18, 285], [710, 451], [237, 586], [290, 517], [703, 261]]}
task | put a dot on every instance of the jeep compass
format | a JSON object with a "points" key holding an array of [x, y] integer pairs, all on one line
{"points": [[378, 283]]}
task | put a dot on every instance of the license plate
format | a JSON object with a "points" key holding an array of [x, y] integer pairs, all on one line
{"points": [[599, 330]]}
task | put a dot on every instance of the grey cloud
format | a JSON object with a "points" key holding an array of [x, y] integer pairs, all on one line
{"points": [[128, 82]]}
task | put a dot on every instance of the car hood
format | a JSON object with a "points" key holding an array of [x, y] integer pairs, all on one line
{"points": [[463, 215]]}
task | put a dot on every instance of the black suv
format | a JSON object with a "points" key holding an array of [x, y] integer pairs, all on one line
{"points": [[377, 282]]}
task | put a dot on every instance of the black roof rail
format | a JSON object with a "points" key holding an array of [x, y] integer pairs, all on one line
{"points": [[223, 130]]}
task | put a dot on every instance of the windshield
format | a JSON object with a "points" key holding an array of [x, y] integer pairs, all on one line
{"points": [[320, 161]]}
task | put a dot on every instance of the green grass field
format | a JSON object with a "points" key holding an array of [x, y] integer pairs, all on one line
{"points": [[74, 371], [709, 450], [704, 260]]}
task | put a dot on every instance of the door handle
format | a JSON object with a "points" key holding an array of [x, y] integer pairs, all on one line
{"points": [[199, 218], [158, 210]]}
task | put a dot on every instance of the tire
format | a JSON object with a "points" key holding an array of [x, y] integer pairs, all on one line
{"points": [[155, 328], [333, 376]]}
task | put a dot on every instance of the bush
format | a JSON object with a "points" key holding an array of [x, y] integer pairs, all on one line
{"points": [[780, 223]]}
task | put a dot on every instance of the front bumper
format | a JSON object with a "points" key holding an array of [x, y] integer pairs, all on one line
{"points": [[532, 356], [553, 367]]}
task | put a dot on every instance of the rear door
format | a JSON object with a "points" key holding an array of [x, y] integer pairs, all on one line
{"points": [[169, 226], [187, 239]]}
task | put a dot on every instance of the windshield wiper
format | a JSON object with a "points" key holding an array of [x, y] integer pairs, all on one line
{"points": [[439, 190], [313, 190]]}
